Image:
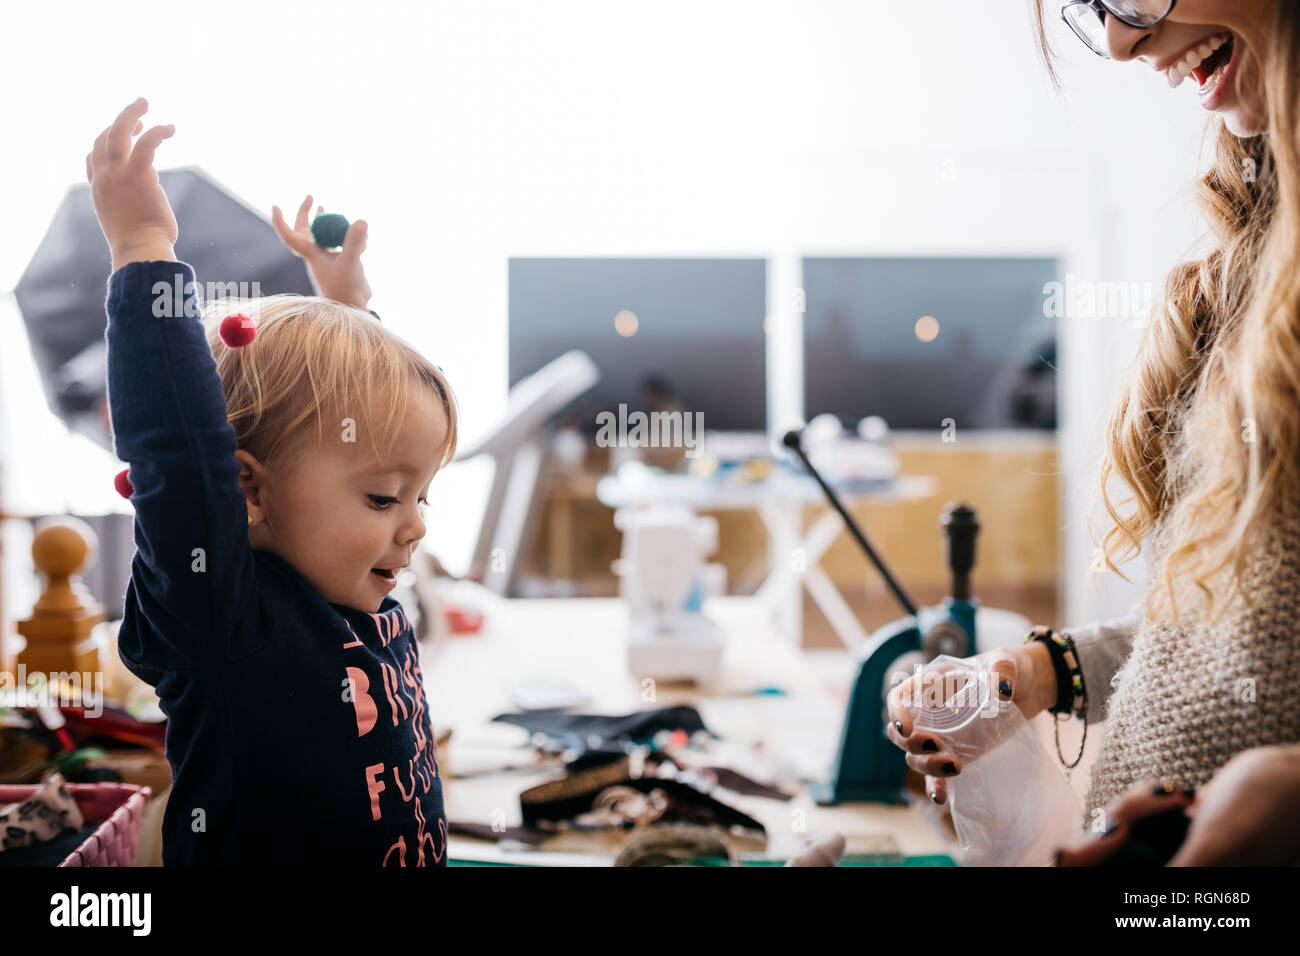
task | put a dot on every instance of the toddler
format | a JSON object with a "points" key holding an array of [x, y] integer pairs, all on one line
{"points": [[298, 729]]}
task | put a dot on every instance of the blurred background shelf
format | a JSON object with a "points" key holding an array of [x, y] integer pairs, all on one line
{"points": [[1012, 480]]}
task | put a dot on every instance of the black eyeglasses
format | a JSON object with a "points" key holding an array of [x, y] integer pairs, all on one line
{"points": [[1087, 18]]}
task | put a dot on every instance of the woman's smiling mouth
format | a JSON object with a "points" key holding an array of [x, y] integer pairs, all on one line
{"points": [[1200, 60], [1212, 61]]}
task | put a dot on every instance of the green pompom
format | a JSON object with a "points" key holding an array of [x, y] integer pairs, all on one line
{"points": [[328, 229]]}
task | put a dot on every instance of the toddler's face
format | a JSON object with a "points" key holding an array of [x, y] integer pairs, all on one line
{"points": [[337, 512]]}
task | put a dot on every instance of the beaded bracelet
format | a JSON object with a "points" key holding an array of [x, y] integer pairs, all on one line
{"points": [[1071, 698], [1059, 667], [1070, 687]]}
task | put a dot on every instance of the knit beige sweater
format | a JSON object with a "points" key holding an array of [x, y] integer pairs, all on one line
{"points": [[1179, 701]]}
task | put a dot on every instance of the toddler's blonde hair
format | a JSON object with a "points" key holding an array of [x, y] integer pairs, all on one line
{"points": [[317, 361]]}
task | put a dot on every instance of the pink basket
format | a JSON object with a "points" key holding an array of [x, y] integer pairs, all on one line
{"points": [[117, 809]]}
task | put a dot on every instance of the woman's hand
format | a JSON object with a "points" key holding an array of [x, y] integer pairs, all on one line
{"points": [[1245, 815], [132, 208], [336, 275], [1023, 674]]}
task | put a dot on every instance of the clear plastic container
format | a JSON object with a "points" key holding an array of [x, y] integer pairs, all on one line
{"points": [[1012, 804]]}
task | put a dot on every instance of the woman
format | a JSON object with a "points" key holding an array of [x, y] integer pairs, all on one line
{"points": [[1195, 684]]}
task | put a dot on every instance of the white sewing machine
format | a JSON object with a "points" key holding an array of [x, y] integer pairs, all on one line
{"points": [[664, 579]]}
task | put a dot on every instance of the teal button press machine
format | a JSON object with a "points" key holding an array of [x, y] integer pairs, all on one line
{"points": [[868, 766]]}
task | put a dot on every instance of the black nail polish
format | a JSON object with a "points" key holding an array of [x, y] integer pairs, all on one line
{"points": [[1163, 790], [949, 769], [1190, 793], [1058, 858], [898, 725], [1004, 687], [934, 798], [930, 747]]}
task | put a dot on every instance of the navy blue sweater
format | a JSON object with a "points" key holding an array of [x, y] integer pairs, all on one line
{"points": [[297, 729]]}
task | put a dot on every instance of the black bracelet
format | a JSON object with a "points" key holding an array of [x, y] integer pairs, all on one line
{"points": [[1077, 688], [1071, 695], [1069, 679]]}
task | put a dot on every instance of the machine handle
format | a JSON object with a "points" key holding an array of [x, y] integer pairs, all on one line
{"points": [[793, 442], [960, 526]]}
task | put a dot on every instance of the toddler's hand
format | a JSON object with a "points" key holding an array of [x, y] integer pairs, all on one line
{"points": [[132, 208], [336, 275]]}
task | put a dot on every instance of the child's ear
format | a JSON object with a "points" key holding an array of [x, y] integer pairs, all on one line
{"points": [[251, 475]]}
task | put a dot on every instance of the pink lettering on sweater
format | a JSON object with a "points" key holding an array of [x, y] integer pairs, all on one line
{"points": [[400, 847], [404, 693], [390, 624], [362, 703], [375, 783], [417, 697], [392, 687], [422, 837]]}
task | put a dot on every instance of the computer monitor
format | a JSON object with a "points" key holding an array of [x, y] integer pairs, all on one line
{"points": [[666, 334], [920, 341]]}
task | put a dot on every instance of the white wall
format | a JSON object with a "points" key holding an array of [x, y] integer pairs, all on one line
{"points": [[469, 132]]}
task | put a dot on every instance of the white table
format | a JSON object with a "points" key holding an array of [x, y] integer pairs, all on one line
{"points": [[584, 642]]}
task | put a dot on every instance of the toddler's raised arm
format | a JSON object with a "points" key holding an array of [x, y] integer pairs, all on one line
{"points": [[193, 568]]}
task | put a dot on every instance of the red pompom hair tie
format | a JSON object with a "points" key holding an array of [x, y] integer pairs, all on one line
{"points": [[237, 330], [123, 484]]}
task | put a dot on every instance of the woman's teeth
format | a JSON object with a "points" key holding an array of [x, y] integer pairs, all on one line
{"points": [[1193, 58]]}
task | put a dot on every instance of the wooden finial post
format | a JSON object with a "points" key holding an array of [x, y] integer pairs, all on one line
{"points": [[59, 631]]}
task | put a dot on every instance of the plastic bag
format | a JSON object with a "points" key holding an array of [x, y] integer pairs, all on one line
{"points": [[1012, 804]]}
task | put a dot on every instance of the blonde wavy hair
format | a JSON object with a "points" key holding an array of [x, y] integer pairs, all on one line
{"points": [[317, 362], [1207, 433]]}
